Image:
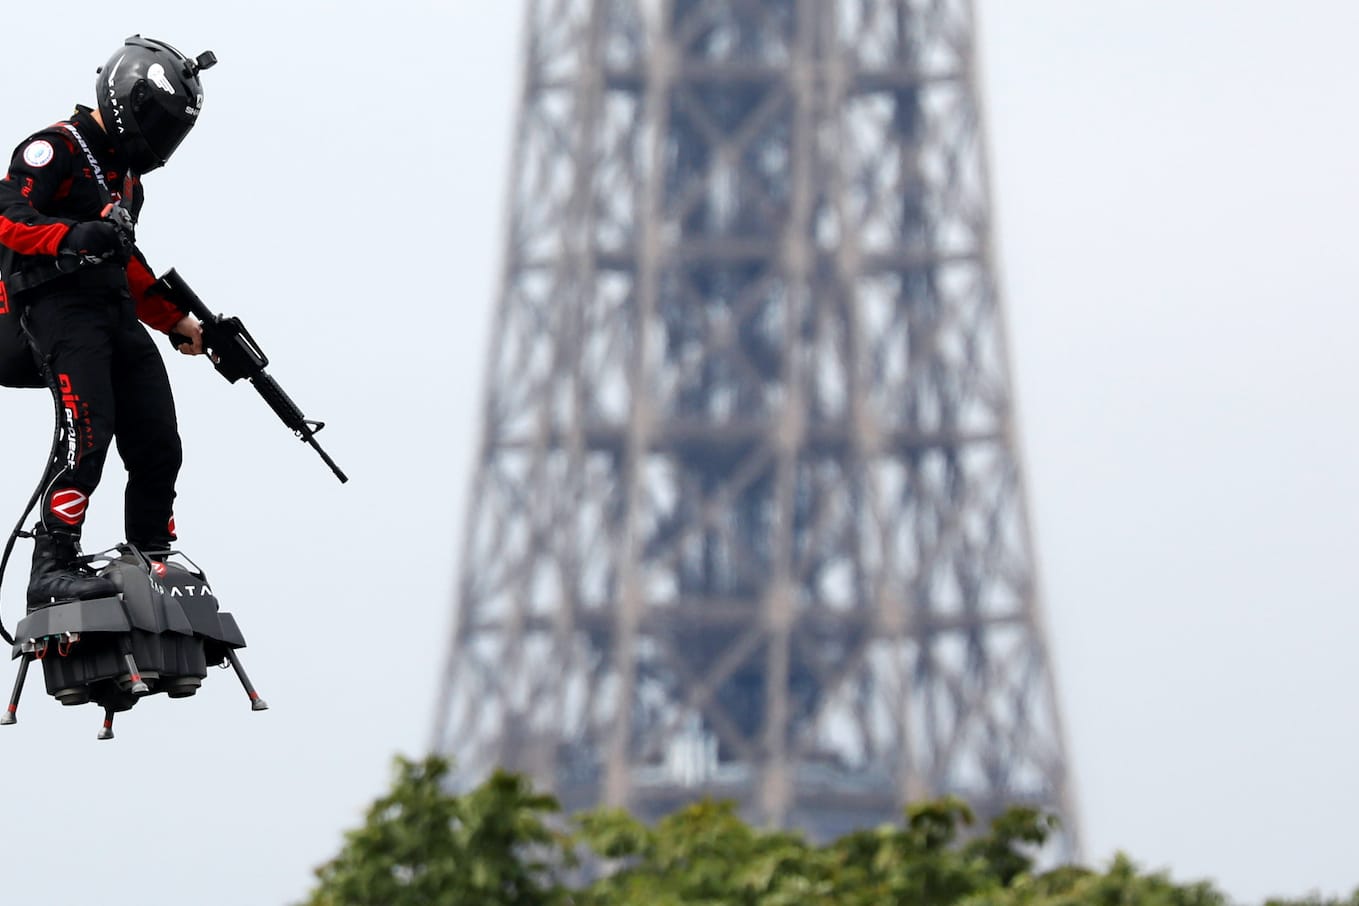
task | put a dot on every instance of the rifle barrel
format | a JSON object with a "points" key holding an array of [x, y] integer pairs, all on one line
{"points": [[237, 356], [325, 457]]}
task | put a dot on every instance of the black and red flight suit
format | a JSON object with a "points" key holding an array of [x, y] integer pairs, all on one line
{"points": [[101, 363]]}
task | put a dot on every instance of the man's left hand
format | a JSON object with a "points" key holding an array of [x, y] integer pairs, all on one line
{"points": [[188, 326]]}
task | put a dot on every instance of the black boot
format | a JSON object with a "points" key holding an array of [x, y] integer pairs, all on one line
{"points": [[57, 576]]}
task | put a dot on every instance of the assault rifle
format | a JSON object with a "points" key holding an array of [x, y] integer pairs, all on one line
{"points": [[236, 355]]}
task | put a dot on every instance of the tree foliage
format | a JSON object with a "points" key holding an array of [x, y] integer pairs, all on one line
{"points": [[502, 844], [421, 845]]}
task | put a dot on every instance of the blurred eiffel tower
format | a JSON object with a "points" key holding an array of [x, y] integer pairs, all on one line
{"points": [[747, 519]]}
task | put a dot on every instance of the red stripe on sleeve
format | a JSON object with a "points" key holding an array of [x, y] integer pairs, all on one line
{"points": [[32, 240], [153, 309]]}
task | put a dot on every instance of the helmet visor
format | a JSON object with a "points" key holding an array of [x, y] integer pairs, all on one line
{"points": [[162, 127]]}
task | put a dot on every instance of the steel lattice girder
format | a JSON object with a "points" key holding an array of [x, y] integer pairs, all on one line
{"points": [[748, 519]]}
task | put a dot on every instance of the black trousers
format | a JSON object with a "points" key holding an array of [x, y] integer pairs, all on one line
{"points": [[111, 388]]}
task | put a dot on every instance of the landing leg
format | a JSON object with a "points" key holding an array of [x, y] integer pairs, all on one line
{"points": [[106, 731], [134, 676], [256, 703], [11, 714]]}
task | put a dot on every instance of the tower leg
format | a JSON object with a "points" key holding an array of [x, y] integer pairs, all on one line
{"points": [[256, 703], [11, 714]]}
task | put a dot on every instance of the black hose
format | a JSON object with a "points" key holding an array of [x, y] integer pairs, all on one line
{"points": [[18, 531]]}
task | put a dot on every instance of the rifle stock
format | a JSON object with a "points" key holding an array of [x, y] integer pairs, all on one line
{"points": [[236, 355]]}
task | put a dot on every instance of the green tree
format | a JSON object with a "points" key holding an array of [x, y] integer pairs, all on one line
{"points": [[1121, 885], [504, 845], [423, 846], [702, 854], [705, 854]]}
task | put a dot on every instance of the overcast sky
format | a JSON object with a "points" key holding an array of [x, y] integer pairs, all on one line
{"points": [[1174, 188]]}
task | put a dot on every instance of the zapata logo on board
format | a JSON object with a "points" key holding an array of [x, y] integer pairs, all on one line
{"points": [[159, 569], [68, 505]]}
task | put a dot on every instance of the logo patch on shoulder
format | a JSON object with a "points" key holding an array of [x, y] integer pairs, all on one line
{"points": [[38, 153]]}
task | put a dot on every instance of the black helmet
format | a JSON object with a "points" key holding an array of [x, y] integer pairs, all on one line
{"points": [[149, 98]]}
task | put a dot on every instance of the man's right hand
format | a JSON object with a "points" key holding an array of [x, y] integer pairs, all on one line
{"points": [[94, 239]]}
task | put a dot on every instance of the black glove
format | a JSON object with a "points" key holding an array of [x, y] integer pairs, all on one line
{"points": [[95, 239]]}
